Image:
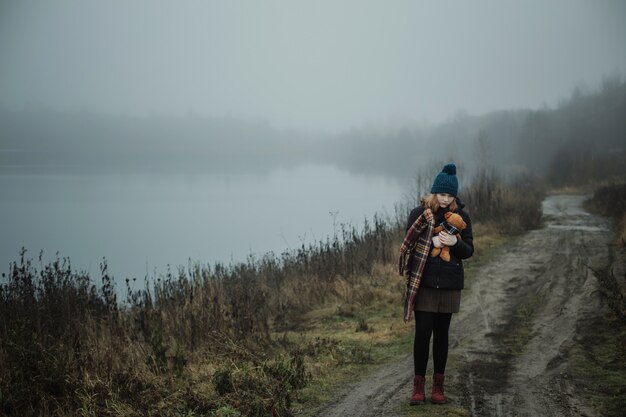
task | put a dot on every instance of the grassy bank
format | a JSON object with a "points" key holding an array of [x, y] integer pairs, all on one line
{"points": [[207, 341], [273, 336]]}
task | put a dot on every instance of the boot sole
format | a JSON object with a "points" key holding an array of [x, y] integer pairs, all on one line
{"points": [[438, 402], [416, 402]]}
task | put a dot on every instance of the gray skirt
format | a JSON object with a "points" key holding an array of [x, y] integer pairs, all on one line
{"points": [[438, 301]]}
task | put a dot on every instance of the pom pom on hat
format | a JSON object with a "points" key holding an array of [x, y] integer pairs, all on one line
{"points": [[446, 181], [449, 169]]}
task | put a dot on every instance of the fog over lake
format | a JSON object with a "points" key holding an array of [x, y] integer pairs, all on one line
{"points": [[142, 222]]}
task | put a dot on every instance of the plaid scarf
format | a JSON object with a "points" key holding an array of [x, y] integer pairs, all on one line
{"points": [[413, 254], [449, 228]]}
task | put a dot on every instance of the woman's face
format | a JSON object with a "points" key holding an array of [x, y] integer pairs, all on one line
{"points": [[444, 199]]}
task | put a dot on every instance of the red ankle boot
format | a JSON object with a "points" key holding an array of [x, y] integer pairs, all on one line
{"points": [[437, 396], [417, 397]]}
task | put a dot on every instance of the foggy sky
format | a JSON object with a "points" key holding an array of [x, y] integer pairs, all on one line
{"points": [[327, 65]]}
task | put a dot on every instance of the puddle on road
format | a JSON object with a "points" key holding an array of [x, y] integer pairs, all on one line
{"points": [[578, 227], [564, 205], [565, 212]]}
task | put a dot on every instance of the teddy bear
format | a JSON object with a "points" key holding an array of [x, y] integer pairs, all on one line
{"points": [[453, 224]]}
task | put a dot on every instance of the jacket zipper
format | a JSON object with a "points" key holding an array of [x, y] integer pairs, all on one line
{"points": [[438, 271]]}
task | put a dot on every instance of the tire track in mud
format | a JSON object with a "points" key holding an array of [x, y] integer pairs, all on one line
{"points": [[516, 321], [372, 397]]}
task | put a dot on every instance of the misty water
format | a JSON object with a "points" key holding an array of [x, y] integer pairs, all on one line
{"points": [[142, 222]]}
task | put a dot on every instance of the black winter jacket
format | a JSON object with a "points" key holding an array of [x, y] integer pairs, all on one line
{"points": [[438, 273]]}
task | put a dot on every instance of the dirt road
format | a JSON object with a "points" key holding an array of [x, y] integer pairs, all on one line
{"points": [[517, 317]]}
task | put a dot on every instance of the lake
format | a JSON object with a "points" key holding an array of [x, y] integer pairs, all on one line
{"points": [[143, 222]]}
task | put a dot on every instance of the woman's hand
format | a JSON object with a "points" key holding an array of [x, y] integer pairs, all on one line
{"points": [[447, 239], [437, 242]]}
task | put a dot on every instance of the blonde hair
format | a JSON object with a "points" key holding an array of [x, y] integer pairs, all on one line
{"points": [[430, 201]]}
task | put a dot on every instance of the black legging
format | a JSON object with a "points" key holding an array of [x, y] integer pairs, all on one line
{"points": [[426, 324]]}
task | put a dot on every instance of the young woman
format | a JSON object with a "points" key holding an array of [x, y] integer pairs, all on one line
{"points": [[439, 292]]}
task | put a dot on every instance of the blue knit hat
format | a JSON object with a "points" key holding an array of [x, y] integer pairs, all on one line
{"points": [[446, 181]]}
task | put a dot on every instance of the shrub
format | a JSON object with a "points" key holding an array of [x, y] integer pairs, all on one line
{"points": [[511, 207]]}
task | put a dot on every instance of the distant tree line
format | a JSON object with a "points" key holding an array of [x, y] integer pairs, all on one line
{"points": [[580, 139]]}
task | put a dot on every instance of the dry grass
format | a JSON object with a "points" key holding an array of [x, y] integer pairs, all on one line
{"points": [[615, 195], [506, 208]]}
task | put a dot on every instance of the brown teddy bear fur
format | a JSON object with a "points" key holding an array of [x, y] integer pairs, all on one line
{"points": [[455, 220]]}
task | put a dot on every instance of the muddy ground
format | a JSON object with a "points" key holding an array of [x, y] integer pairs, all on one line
{"points": [[519, 315]]}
